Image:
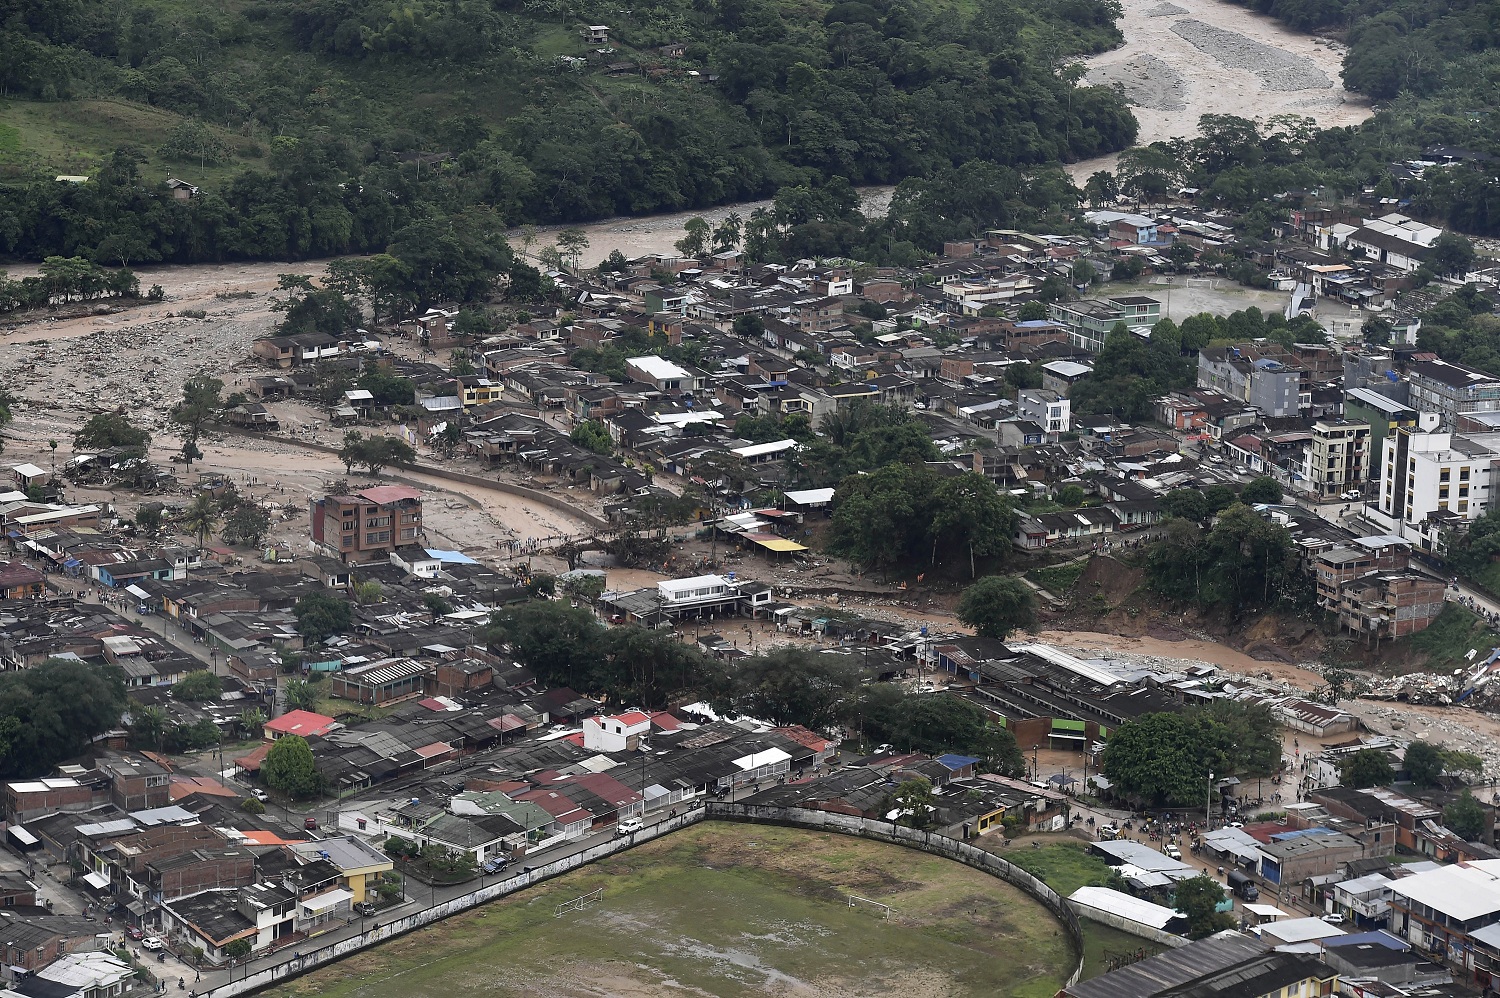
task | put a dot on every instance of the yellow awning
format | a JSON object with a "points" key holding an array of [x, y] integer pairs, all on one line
{"points": [[781, 544]]}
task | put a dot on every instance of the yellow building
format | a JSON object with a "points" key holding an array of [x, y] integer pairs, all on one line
{"points": [[358, 863]]}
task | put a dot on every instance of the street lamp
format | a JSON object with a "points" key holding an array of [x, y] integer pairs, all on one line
{"points": [[1208, 805]]}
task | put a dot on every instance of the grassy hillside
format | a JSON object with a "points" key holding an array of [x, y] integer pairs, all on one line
{"points": [[504, 103]]}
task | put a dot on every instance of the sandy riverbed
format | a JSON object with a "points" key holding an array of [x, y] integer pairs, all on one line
{"points": [[1187, 58]]}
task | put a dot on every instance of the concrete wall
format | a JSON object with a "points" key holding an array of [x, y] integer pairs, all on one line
{"points": [[1129, 925], [930, 842], [313, 958]]}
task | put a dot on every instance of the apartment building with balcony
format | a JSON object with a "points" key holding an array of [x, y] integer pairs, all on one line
{"points": [[369, 525], [1338, 456]]}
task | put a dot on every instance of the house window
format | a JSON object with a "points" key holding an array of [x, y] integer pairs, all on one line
{"points": [[1443, 475], [1463, 474]]}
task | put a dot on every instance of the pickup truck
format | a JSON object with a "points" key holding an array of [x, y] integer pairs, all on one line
{"points": [[629, 826]]}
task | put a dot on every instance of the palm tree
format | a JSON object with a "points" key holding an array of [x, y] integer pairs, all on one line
{"points": [[150, 727], [249, 722], [201, 515]]}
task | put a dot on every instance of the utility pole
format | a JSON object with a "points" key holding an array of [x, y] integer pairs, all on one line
{"points": [[1208, 805]]}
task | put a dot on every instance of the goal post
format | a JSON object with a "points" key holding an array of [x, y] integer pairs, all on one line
{"points": [[579, 903], [884, 910]]}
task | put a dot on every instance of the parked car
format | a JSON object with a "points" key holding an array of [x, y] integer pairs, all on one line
{"points": [[1351, 495], [260, 795], [364, 908], [1172, 851], [495, 865], [628, 826], [134, 932], [153, 944], [1334, 919]]}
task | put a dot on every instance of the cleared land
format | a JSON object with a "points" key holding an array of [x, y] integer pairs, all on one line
{"points": [[731, 910]]}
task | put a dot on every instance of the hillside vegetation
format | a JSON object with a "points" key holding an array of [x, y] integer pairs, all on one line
{"points": [[323, 126]]}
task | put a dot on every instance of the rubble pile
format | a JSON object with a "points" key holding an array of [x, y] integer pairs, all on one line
{"points": [[1420, 688], [141, 367]]}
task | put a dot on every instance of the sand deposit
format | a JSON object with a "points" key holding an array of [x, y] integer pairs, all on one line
{"points": [[1145, 80], [1278, 69], [1254, 68]]}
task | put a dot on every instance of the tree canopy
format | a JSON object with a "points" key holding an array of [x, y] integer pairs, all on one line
{"points": [[52, 711], [764, 95], [320, 615], [1367, 768], [1242, 563], [289, 768], [199, 685], [1164, 758], [1197, 898], [905, 514], [630, 664], [1466, 818], [998, 605]]}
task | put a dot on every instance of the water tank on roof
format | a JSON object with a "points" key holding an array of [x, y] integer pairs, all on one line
{"points": [[1392, 376]]}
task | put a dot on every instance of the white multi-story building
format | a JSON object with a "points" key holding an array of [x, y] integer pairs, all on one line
{"points": [[1049, 410], [1436, 476]]}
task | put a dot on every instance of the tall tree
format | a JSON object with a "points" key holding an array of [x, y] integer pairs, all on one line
{"points": [[998, 605], [53, 711], [200, 516], [1424, 761], [289, 768]]}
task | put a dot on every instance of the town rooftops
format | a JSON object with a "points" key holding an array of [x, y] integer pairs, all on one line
{"points": [[1157, 974], [1374, 400], [1463, 892], [1450, 374], [658, 368], [384, 494], [302, 722], [344, 851]]}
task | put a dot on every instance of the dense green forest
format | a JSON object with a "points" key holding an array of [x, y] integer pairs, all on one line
{"points": [[326, 127]]}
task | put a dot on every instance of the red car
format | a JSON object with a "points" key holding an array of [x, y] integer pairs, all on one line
{"points": [[134, 933]]}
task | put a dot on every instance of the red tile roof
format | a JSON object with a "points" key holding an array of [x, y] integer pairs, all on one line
{"points": [[382, 494], [301, 722]]}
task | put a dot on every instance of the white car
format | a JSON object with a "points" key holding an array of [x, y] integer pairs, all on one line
{"points": [[153, 944], [260, 795], [1351, 495], [629, 826], [1172, 852], [1334, 919]]}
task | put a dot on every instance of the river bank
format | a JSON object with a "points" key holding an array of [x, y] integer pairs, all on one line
{"points": [[1189, 58]]}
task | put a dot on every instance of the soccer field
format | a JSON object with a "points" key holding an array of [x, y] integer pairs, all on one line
{"points": [[730, 910]]}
